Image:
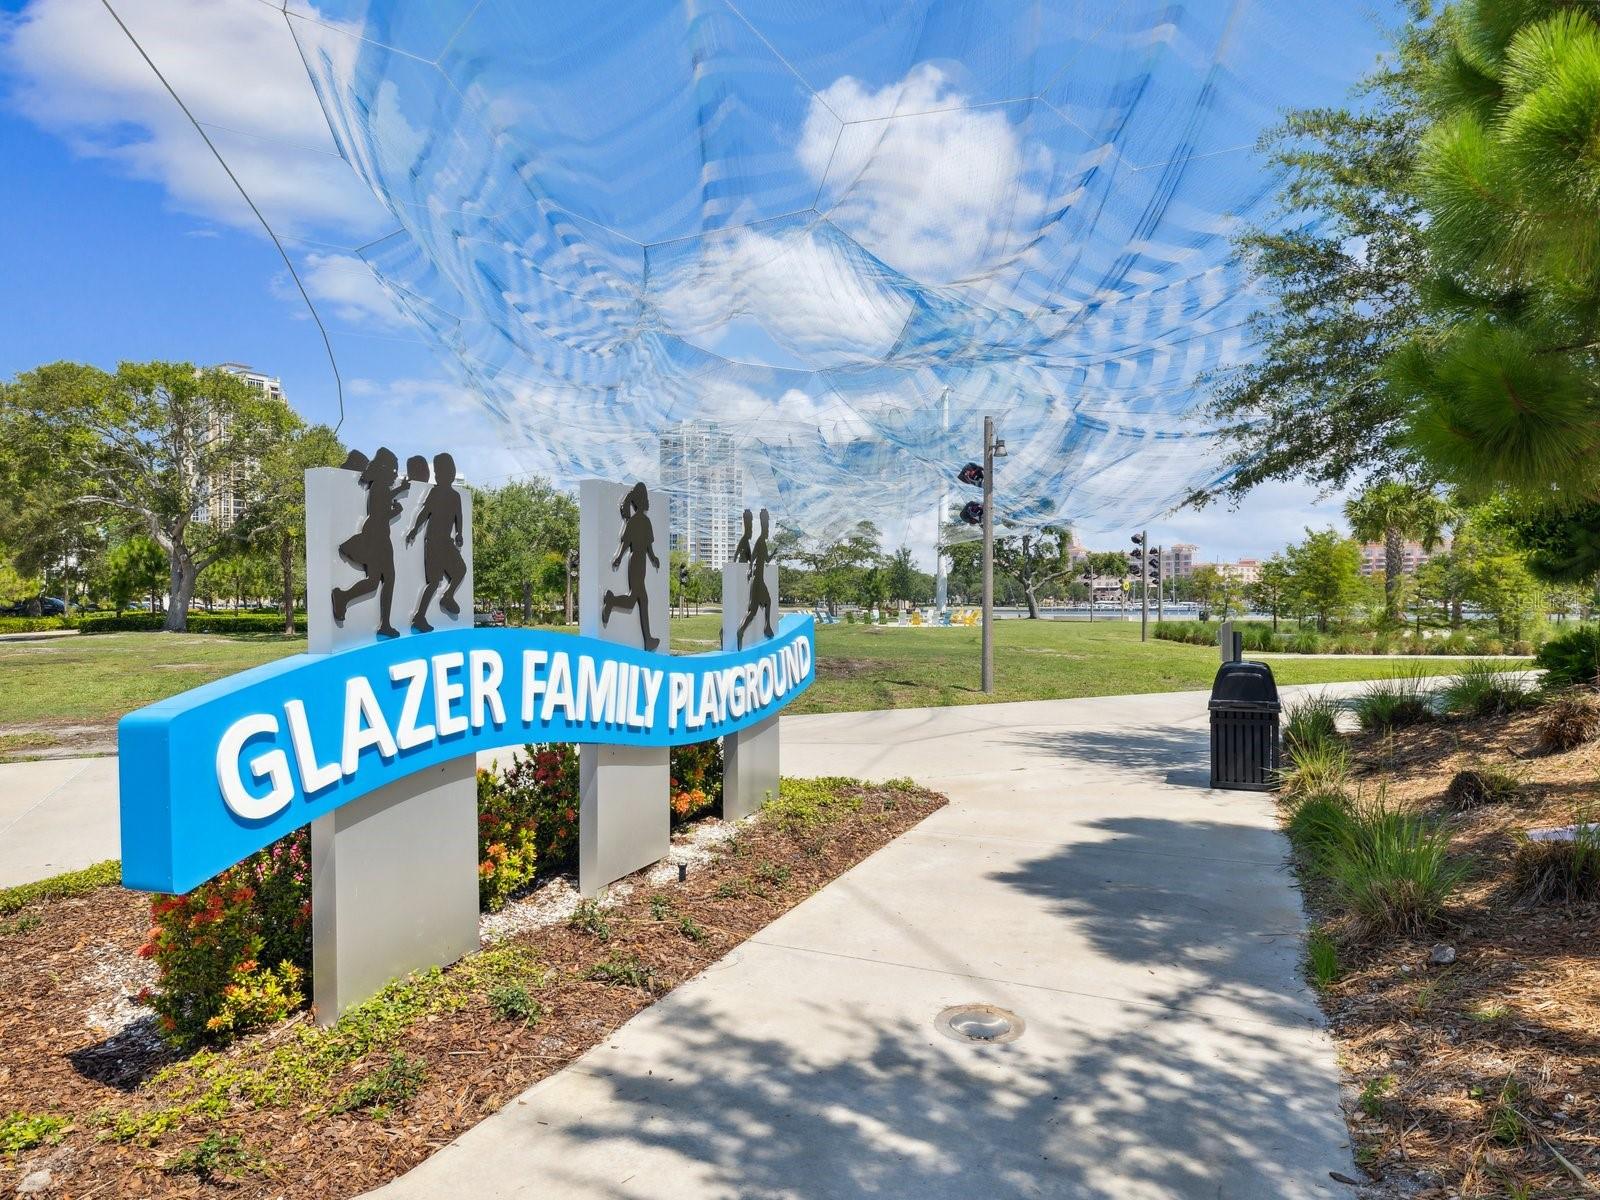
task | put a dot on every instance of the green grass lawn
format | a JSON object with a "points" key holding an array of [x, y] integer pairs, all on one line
{"points": [[68, 693]]}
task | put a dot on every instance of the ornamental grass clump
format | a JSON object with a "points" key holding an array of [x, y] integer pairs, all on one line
{"points": [[1560, 871], [1393, 703], [1317, 768], [1311, 720], [1391, 871], [1568, 720], [1484, 783], [1485, 689]]}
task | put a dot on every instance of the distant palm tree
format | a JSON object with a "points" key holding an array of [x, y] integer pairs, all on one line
{"points": [[1395, 513]]}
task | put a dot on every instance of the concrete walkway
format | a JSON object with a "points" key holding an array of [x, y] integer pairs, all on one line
{"points": [[1083, 877], [57, 814]]}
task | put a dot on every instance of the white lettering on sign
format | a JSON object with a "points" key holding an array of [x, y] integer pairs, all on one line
{"points": [[365, 726], [597, 691], [313, 778], [446, 693], [468, 692], [415, 674], [485, 675], [558, 693], [269, 764]]}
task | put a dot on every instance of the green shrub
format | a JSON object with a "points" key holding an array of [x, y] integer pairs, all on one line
{"points": [[1490, 646], [142, 622], [1572, 658], [1393, 703], [696, 787], [1485, 689], [1392, 871], [1560, 872], [209, 946], [33, 624], [513, 1002], [1570, 719]]}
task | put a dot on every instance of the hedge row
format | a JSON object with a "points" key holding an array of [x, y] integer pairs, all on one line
{"points": [[143, 622], [32, 624], [1258, 636]]}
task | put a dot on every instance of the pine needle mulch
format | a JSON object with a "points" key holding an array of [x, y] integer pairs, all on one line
{"points": [[1477, 1077]]}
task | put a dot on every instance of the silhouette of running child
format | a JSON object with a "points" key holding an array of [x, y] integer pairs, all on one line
{"points": [[741, 552], [760, 597], [638, 542], [370, 550], [441, 545]]}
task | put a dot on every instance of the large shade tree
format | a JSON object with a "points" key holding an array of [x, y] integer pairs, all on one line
{"points": [[147, 445]]}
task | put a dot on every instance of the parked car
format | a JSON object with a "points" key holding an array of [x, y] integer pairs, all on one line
{"points": [[48, 606], [492, 617]]}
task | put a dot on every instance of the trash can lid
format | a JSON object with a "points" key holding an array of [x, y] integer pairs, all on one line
{"points": [[1244, 683]]}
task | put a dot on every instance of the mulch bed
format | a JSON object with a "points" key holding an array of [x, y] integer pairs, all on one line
{"points": [[475, 1060], [1479, 1076]]}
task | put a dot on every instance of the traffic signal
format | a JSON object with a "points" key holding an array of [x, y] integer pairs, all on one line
{"points": [[972, 511], [971, 474], [683, 574]]}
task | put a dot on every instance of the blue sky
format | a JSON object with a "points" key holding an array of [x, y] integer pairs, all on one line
{"points": [[123, 240]]}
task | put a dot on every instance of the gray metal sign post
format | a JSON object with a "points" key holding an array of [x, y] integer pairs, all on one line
{"points": [[624, 812], [749, 616], [394, 874]]}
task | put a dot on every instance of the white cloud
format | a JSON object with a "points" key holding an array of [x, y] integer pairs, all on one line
{"points": [[1267, 520], [934, 188], [74, 72], [807, 292], [348, 287]]}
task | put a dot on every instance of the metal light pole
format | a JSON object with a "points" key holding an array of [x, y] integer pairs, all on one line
{"points": [[1144, 585], [988, 554], [1161, 584]]}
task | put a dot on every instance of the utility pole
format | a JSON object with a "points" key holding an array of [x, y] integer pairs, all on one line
{"points": [[988, 555]]}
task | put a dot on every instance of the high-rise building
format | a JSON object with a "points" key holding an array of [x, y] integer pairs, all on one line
{"points": [[227, 493], [1375, 557], [701, 475], [1177, 560]]}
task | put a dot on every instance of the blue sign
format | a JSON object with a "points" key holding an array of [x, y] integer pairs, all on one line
{"points": [[213, 775]]}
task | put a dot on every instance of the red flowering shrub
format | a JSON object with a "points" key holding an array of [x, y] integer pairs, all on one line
{"points": [[696, 779], [209, 946]]}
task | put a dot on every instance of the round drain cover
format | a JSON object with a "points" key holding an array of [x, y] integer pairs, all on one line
{"points": [[980, 1023]]}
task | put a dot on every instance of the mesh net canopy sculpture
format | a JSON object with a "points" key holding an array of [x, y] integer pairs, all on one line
{"points": [[843, 231]]}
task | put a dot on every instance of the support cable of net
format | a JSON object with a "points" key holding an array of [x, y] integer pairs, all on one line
{"points": [[327, 344]]}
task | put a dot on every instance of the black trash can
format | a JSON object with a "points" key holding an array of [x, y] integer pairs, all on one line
{"points": [[1244, 727]]}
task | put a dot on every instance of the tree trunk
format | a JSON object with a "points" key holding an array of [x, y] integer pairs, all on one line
{"points": [[286, 565], [527, 602], [180, 590], [1033, 601], [1392, 552], [566, 607]]}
